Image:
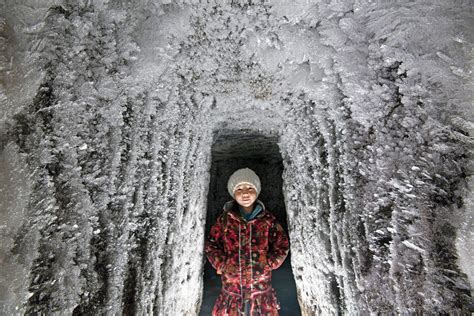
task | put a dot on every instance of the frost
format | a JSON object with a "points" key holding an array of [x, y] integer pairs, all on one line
{"points": [[414, 247], [110, 111]]}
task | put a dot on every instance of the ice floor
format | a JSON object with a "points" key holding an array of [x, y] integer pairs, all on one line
{"points": [[282, 282]]}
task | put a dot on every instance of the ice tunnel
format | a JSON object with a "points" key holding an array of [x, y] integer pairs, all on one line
{"points": [[120, 121], [239, 149]]}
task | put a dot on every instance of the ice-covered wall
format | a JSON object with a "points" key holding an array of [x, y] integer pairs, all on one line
{"points": [[108, 114]]}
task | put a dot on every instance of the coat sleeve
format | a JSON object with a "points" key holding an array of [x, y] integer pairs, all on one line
{"points": [[214, 246], [278, 246]]}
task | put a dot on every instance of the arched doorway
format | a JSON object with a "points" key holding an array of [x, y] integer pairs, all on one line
{"points": [[232, 150]]}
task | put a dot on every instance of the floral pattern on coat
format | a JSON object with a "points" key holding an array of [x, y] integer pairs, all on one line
{"points": [[244, 254]]}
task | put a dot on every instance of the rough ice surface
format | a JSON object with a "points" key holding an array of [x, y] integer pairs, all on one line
{"points": [[108, 111]]}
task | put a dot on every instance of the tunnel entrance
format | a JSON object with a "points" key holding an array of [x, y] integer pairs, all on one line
{"points": [[238, 149]]}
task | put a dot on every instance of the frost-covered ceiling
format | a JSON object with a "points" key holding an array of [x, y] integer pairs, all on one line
{"points": [[245, 144]]}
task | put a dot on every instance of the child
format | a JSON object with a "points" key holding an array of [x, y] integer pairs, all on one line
{"points": [[245, 244]]}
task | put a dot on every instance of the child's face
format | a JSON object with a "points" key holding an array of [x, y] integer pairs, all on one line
{"points": [[245, 195]]}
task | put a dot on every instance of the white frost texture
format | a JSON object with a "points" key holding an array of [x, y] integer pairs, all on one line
{"points": [[109, 111]]}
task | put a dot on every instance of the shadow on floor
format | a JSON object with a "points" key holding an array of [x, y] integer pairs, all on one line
{"points": [[282, 281]]}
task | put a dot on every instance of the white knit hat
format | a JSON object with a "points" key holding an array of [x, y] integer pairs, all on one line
{"points": [[241, 176]]}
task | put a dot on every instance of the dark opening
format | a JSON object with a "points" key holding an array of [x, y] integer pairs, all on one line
{"points": [[238, 149]]}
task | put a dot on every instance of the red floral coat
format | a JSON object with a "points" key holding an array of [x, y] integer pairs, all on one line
{"points": [[245, 253]]}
